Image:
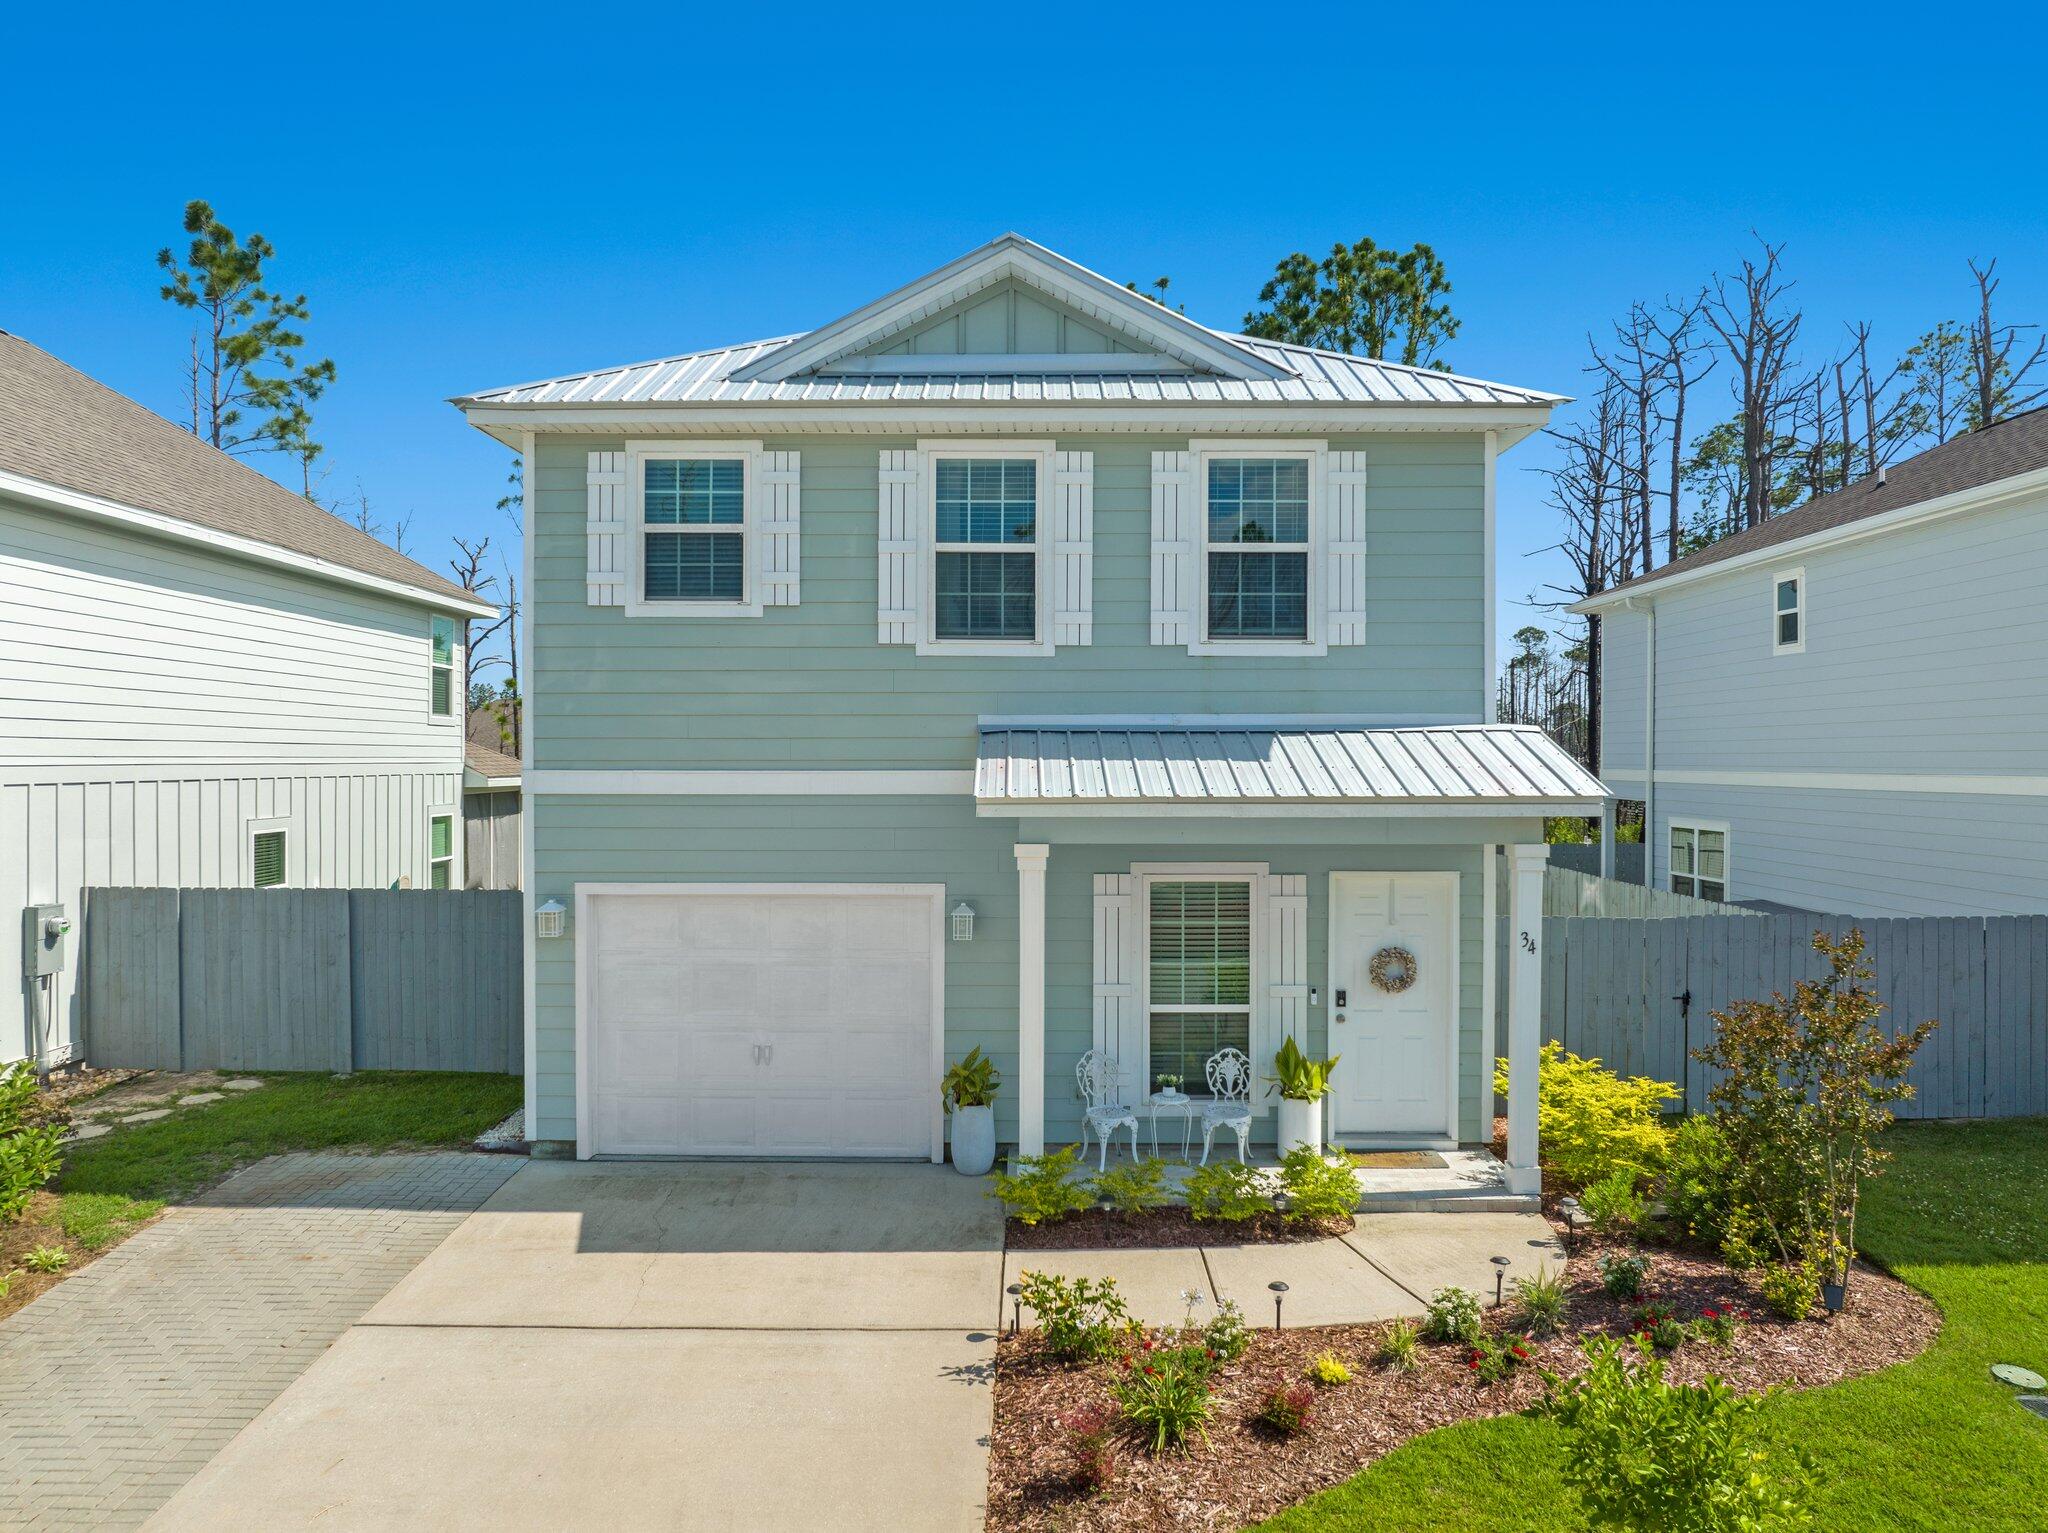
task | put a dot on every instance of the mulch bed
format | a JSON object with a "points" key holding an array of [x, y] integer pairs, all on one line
{"points": [[1096, 1230], [1243, 1472]]}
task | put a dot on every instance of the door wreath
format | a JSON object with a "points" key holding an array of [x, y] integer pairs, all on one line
{"points": [[1392, 969]]}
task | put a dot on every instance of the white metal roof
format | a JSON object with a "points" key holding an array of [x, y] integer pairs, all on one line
{"points": [[1314, 377], [1500, 768]]}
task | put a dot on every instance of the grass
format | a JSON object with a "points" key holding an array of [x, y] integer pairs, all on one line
{"points": [[1934, 1443]]}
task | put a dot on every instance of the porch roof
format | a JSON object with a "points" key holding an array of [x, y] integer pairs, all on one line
{"points": [[1247, 770]]}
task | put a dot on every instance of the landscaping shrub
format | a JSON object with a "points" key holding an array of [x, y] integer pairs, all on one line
{"points": [[1093, 1429], [1644, 1454], [1495, 1357], [1624, 1275], [1226, 1334], [1658, 1325], [48, 1259], [1613, 1204], [1317, 1190], [1041, 1189], [1453, 1315], [1079, 1320], [1165, 1394], [1791, 1291], [1592, 1122], [1543, 1300], [28, 1147], [1697, 1185], [1329, 1371], [1226, 1191], [1286, 1408], [1397, 1347], [1132, 1189], [1717, 1327]]}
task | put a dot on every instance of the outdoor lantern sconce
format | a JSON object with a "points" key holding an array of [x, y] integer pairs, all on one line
{"points": [[550, 919], [963, 922]]}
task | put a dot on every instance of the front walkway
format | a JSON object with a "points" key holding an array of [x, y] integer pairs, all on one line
{"points": [[121, 1382]]}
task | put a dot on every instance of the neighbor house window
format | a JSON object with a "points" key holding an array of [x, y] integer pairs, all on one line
{"points": [[1199, 976], [1788, 612], [1699, 861], [693, 515], [441, 851], [985, 549], [1257, 548], [267, 859], [442, 683]]}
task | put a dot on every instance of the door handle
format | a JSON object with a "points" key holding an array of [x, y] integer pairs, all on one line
{"points": [[767, 1053]]}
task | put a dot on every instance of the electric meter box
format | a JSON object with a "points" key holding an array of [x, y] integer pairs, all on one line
{"points": [[45, 939]]}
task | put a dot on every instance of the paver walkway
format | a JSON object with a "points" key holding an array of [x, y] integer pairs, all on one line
{"points": [[122, 1382]]}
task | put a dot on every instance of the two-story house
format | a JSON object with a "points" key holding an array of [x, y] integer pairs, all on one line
{"points": [[1845, 708], [205, 680], [1015, 663]]}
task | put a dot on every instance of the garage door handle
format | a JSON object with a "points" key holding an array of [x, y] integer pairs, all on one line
{"points": [[768, 1049]]}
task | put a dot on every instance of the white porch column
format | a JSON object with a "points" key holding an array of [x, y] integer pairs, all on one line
{"points": [[1031, 998], [1525, 1010], [1607, 808]]}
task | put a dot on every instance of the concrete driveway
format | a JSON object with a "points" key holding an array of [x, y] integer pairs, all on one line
{"points": [[638, 1346]]}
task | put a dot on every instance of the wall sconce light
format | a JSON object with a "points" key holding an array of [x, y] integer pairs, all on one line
{"points": [[963, 922], [550, 919]]}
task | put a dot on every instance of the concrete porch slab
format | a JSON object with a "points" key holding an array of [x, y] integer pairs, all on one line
{"points": [[1149, 1280], [1425, 1252], [1328, 1283]]}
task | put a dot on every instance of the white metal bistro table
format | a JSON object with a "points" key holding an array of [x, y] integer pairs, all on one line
{"points": [[1187, 1108]]}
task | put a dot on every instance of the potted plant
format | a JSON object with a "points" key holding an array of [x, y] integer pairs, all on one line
{"points": [[969, 1092], [1302, 1083], [1169, 1085]]}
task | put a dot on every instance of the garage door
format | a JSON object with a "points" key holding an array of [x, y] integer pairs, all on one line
{"points": [[761, 1020]]}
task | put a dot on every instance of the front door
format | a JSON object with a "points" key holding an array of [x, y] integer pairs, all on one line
{"points": [[1395, 1080]]}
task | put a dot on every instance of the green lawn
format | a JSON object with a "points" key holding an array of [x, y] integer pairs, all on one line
{"points": [[1931, 1444]]}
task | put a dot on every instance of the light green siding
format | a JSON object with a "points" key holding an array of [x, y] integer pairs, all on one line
{"points": [[1008, 319]]}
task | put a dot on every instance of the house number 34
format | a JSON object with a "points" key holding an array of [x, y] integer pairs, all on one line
{"points": [[1528, 943]]}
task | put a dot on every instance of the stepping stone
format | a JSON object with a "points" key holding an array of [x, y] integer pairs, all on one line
{"points": [[91, 1130], [201, 1096], [244, 1085], [147, 1117]]}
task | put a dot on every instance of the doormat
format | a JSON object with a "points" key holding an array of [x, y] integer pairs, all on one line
{"points": [[1398, 1160]]}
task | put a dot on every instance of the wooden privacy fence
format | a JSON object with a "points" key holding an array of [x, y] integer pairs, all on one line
{"points": [[1585, 858], [1640, 995], [302, 979]]}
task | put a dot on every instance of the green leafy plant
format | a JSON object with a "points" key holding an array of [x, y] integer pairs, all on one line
{"points": [[1397, 1349], [48, 1259], [1624, 1273], [1226, 1192], [1659, 1326], [1092, 1429], [1299, 1078], [1079, 1319], [1493, 1358], [1544, 1301], [1613, 1204], [1286, 1408], [1644, 1454], [1453, 1315], [1806, 1088], [1790, 1291], [1165, 1394], [28, 1146], [1226, 1334], [1043, 1188], [971, 1082], [6, 1282], [1592, 1122], [1317, 1189], [1717, 1327], [1697, 1185], [1131, 1189], [1329, 1371]]}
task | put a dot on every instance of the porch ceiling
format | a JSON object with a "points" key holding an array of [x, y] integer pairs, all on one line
{"points": [[1440, 770]]}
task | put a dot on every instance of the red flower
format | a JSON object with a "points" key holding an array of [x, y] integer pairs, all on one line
{"points": [[1149, 1344], [1475, 1361], [1521, 1354], [1151, 1370], [1210, 1353], [1711, 1314]]}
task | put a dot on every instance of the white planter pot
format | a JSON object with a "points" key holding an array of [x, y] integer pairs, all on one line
{"points": [[1301, 1123], [974, 1140]]}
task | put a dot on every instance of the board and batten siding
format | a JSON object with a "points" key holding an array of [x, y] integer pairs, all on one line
{"points": [[156, 698], [1923, 657]]}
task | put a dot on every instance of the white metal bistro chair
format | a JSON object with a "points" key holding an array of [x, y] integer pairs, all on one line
{"points": [[1230, 1104], [1105, 1112]]}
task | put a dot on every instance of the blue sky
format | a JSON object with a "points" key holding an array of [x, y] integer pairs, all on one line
{"points": [[478, 201]]}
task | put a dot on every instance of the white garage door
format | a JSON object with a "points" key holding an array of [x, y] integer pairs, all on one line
{"points": [[757, 1019]]}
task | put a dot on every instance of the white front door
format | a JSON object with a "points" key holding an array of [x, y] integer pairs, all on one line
{"points": [[1396, 1075]]}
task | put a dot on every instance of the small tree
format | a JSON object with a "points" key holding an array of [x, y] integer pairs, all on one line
{"points": [[1808, 1086]]}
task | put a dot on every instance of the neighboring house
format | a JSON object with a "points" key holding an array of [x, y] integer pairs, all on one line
{"points": [[490, 814], [204, 678], [1849, 702], [1014, 663]]}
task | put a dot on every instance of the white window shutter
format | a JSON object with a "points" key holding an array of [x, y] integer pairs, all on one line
{"points": [[1173, 548], [899, 584], [1073, 547], [1344, 577], [781, 487], [1119, 987], [604, 529], [1286, 956]]}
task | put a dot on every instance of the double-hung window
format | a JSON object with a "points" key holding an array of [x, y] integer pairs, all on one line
{"points": [[441, 851], [1699, 861], [1199, 979], [1788, 612], [1256, 577], [986, 553], [441, 678], [693, 530]]}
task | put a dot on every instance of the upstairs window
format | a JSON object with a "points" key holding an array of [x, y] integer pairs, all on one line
{"points": [[1788, 612], [985, 550], [1257, 549], [441, 685], [693, 530], [441, 851], [1198, 977], [1699, 861]]}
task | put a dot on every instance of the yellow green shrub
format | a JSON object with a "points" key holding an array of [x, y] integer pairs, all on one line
{"points": [[1592, 1122]]}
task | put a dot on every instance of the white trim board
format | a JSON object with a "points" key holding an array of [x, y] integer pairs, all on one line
{"points": [[1853, 782]]}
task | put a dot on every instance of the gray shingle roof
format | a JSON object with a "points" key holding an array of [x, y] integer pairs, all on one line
{"points": [[2015, 446], [62, 428]]}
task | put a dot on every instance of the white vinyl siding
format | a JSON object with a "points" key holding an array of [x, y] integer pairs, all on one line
{"points": [[1699, 861]]}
